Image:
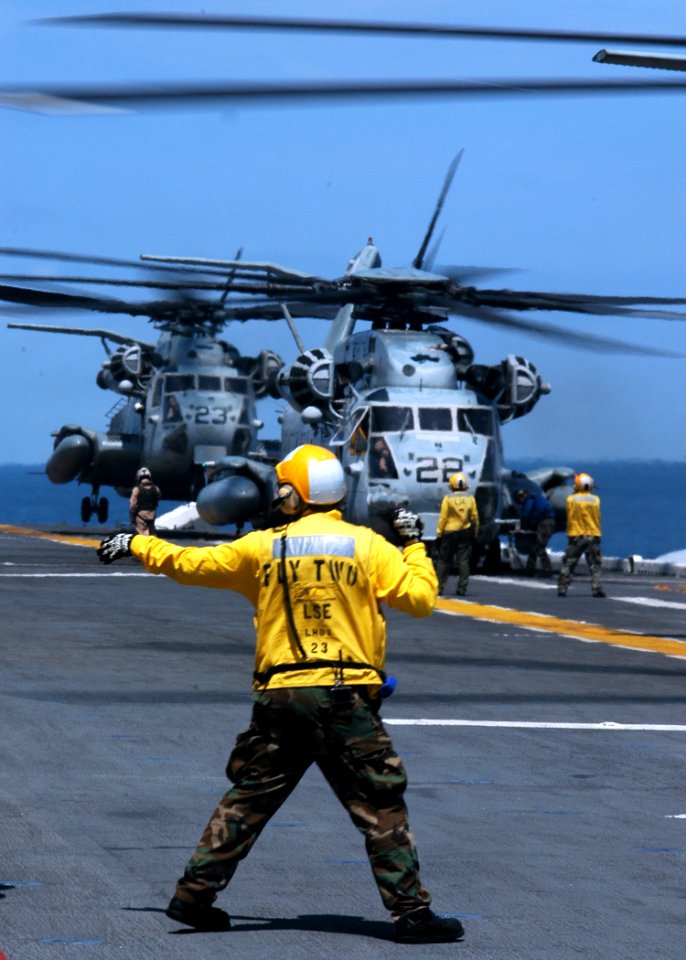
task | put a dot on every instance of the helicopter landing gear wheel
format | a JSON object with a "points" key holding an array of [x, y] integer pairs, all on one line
{"points": [[86, 509], [103, 509]]}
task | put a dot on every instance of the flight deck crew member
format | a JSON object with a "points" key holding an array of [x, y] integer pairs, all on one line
{"points": [[537, 515], [458, 526], [143, 503], [316, 584], [583, 531]]}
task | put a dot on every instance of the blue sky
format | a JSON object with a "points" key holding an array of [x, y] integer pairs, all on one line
{"points": [[578, 194]]}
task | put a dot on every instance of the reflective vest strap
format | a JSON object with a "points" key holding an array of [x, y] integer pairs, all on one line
{"points": [[266, 675]]}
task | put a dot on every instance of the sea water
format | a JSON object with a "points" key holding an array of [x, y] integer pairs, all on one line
{"points": [[643, 504]]}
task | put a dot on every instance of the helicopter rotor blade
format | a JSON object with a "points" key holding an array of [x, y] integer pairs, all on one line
{"points": [[29, 253], [156, 310], [569, 303], [231, 276], [47, 298], [106, 99], [264, 268], [419, 259], [353, 26], [553, 334], [83, 332], [467, 272], [117, 282], [627, 58], [167, 313]]}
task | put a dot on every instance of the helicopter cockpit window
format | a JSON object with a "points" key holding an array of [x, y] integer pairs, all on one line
{"points": [[235, 385], [178, 382], [172, 410], [435, 418], [209, 383], [475, 420], [353, 433], [391, 419], [381, 463]]}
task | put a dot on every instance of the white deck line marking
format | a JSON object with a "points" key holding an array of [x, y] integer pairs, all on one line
{"points": [[521, 582], [538, 724], [552, 585], [652, 602]]}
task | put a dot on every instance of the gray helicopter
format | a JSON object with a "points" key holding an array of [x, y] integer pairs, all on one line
{"points": [[403, 403], [188, 398]]}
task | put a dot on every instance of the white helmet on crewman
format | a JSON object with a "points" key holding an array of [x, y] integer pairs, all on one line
{"points": [[459, 481], [315, 474], [583, 481]]}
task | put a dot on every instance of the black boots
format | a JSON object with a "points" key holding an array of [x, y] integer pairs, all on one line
{"points": [[420, 926], [197, 916], [424, 926]]}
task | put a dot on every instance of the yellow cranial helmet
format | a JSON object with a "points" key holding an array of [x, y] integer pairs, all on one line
{"points": [[459, 481], [583, 481], [314, 472]]}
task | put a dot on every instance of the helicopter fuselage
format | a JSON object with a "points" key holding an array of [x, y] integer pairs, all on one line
{"points": [[194, 401], [406, 424], [193, 415]]}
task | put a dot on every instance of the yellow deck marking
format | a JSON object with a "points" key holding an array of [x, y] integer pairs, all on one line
{"points": [[577, 629], [55, 537]]}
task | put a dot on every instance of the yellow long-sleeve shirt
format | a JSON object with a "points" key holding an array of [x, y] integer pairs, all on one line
{"points": [[458, 512], [583, 515], [336, 573]]}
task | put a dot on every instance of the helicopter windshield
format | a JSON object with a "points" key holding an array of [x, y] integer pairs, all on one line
{"points": [[209, 383], [392, 419], [477, 420], [177, 382], [436, 418], [235, 385]]}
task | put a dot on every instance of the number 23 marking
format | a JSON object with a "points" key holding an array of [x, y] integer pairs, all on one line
{"points": [[202, 415]]}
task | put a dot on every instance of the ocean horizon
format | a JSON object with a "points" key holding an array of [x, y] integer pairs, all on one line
{"points": [[642, 509]]}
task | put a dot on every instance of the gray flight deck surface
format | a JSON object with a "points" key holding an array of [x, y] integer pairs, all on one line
{"points": [[120, 699]]}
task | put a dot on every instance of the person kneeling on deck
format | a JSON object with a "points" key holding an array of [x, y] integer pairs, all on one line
{"points": [[315, 701]]}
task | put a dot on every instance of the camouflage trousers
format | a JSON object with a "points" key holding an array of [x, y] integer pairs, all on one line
{"points": [[544, 531], [291, 729], [457, 545], [576, 547]]}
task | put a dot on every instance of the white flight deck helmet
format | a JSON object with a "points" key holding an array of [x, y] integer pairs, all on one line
{"points": [[583, 482], [459, 482], [315, 474]]}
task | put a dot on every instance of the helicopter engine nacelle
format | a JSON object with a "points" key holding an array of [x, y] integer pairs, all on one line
{"points": [[308, 382], [514, 385], [460, 350], [125, 370], [239, 491], [267, 367], [72, 454]]}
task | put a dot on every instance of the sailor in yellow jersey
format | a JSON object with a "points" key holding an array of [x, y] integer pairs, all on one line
{"points": [[316, 584], [583, 532], [458, 527]]}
